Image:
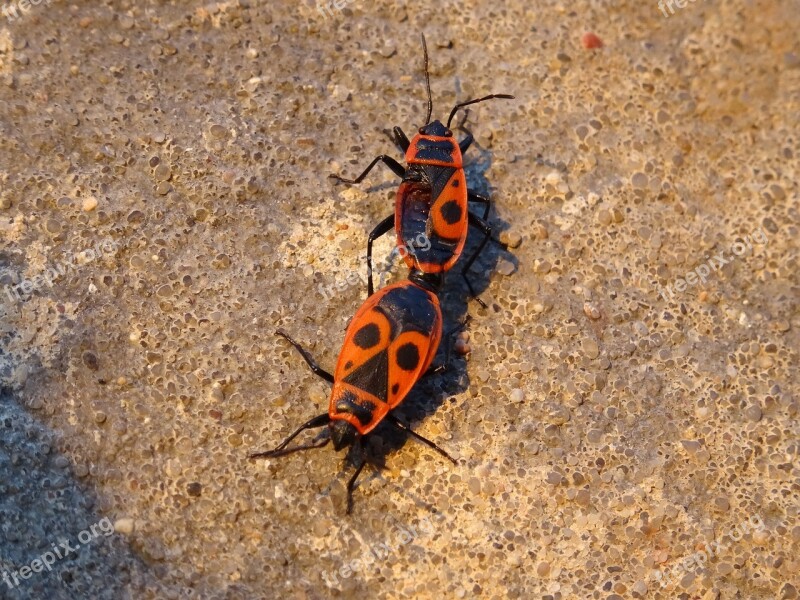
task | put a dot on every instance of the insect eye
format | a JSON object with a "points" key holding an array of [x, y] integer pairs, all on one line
{"points": [[422, 131], [448, 133]]}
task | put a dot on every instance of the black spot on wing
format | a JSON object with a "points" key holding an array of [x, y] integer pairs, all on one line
{"points": [[451, 212], [395, 388], [368, 336], [408, 356], [455, 183]]}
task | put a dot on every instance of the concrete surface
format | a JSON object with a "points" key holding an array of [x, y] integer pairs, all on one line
{"points": [[627, 415]]}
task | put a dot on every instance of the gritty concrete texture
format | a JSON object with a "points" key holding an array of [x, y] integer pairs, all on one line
{"points": [[626, 421]]}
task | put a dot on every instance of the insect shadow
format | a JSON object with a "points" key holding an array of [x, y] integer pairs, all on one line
{"points": [[425, 400], [78, 555]]}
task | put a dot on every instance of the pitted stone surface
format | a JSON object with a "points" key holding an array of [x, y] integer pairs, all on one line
{"points": [[628, 401]]}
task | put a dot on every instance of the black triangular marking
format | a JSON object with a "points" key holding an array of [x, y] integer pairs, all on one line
{"points": [[372, 376], [438, 176]]}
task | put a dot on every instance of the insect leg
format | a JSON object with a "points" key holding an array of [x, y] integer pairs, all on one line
{"points": [[395, 166], [466, 142], [473, 197], [399, 138], [400, 426], [352, 482], [281, 450], [383, 227], [307, 357], [487, 235], [449, 334]]}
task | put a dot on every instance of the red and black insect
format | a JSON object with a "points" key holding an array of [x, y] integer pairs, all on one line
{"points": [[433, 198], [389, 345]]}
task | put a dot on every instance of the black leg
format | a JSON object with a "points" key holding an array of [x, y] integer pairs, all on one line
{"points": [[399, 138], [473, 197], [487, 235], [387, 160], [466, 143], [481, 224], [307, 357], [435, 369], [392, 420], [462, 126], [352, 482], [446, 364], [383, 227], [318, 421], [472, 292]]}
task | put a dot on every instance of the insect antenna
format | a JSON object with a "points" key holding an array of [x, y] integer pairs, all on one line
{"points": [[427, 81], [475, 101]]}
